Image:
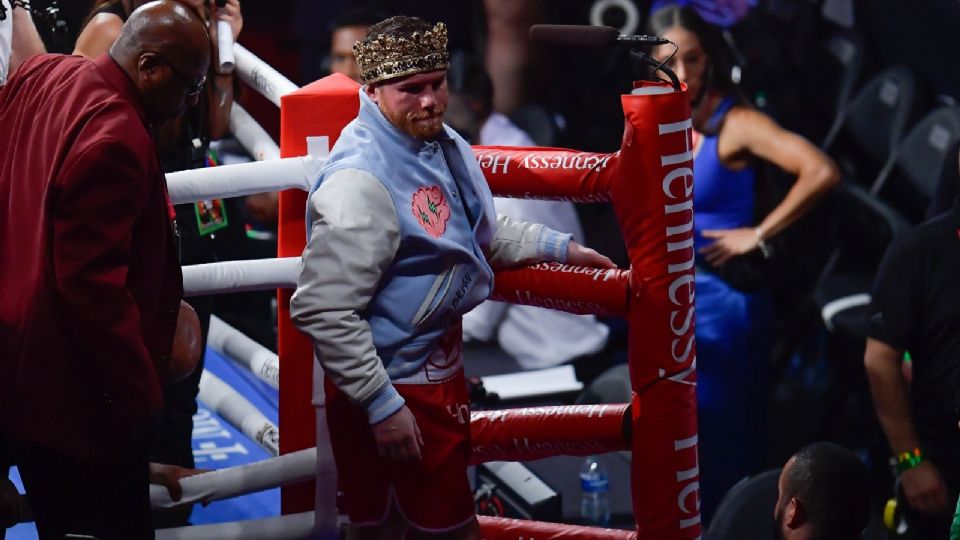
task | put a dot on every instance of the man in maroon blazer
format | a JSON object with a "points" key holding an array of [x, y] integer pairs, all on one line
{"points": [[90, 282]]}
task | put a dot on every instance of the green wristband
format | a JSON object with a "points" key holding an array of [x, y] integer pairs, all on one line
{"points": [[909, 460]]}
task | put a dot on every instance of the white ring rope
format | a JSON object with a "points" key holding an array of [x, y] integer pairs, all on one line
{"points": [[261, 76], [235, 345], [240, 276], [239, 412], [289, 527], [251, 135], [232, 482], [243, 179], [225, 46]]}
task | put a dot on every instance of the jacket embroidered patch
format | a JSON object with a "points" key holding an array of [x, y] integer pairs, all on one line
{"points": [[431, 210]]}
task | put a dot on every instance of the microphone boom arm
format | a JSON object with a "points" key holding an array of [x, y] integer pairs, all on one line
{"points": [[657, 66], [587, 36]]}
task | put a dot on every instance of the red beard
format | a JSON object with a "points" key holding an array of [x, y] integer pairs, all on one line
{"points": [[423, 126]]}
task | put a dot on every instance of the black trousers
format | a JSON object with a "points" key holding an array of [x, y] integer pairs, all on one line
{"points": [[105, 501]]}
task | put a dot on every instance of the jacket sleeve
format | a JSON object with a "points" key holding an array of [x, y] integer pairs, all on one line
{"points": [[354, 237], [516, 243], [101, 193]]}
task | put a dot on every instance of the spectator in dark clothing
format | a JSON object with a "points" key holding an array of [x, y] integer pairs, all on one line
{"points": [[348, 28], [205, 236], [824, 495], [914, 308], [91, 282]]}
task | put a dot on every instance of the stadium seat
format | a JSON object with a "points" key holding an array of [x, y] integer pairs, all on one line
{"points": [[909, 181], [829, 73], [897, 200], [868, 129]]}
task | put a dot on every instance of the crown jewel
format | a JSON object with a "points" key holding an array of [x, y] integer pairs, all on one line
{"points": [[388, 57]]}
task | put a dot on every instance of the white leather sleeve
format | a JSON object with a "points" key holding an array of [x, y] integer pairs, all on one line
{"points": [[517, 243], [354, 237]]}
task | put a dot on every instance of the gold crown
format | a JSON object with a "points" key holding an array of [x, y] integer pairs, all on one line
{"points": [[388, 57]]}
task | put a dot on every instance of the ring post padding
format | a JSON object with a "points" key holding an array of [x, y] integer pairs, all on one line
{"points": [[319, 109], [652, 196]]}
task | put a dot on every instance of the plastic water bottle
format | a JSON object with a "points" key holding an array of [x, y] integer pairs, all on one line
{"points": [[594, 492]]}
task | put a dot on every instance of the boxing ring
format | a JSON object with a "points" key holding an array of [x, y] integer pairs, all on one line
{"points": [[649, 183]]}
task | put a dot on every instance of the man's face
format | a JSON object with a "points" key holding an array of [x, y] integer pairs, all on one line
{"points": [[341, 51], [171, 84], [414, 104]]}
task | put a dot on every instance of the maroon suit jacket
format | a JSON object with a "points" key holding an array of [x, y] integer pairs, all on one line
{"points": [[89, 278]]}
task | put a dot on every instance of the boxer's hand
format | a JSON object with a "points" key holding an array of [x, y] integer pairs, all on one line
{"points": [[187, 343], [398, 437], [578, 255]]}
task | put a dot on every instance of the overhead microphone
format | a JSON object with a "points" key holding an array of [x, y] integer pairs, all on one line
{"points": [[576, 35]]}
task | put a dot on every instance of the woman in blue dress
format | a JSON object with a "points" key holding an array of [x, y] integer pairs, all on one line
{"points": [[733, 323]]}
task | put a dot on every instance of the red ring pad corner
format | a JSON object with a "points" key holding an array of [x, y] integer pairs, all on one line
{"points": [[319, 109], [653, 199], [526, 434]]}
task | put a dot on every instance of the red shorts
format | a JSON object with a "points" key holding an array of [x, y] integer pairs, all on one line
{"points": [[432, 494]]}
